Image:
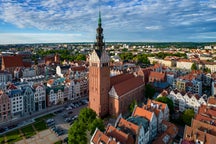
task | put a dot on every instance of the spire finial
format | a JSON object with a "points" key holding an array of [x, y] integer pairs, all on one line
{"points": [[99, 19]]}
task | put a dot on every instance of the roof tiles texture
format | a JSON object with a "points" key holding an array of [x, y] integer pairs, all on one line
{"points": [[143, 113], [120, 136], [12, 61], [200, 131], [157, 75], [120, 78], [128, 85]]}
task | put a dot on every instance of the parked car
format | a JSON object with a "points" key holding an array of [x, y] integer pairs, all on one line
{"points": [[70, 112]]}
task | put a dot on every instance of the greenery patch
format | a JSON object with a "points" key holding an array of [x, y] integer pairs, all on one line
{"points": [[44, 117], [28, 131], [41, 125], [13, 136], [1, 139]]}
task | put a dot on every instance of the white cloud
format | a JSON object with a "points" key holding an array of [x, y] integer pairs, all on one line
{"points": [[131, 16], [153, 27]]}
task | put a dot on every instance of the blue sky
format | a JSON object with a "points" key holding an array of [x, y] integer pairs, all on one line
{"points": [[36, 21]]}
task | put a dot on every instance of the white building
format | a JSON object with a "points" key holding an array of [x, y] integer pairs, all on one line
{"points": [[16, 99], [184, 64], [183, 102], [5, 77], [39, 97], [151, 117], [29, 72]]}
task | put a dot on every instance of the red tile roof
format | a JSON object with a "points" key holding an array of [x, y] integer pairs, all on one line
{"points": [[157, 75], [119, 135], [78, 68], [120, 78], [128, 85], [206, 110], [200, 131], [12, 61], [143, 113], [129, 125], [172, 130], [212, 100], [160, 104], [205, 119], [100, 137]]}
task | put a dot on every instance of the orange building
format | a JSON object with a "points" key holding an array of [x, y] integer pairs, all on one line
{"points": [[99, 75], [110, 95]]}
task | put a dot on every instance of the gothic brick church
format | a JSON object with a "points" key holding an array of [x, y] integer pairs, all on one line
{"points": [[110, 95]]}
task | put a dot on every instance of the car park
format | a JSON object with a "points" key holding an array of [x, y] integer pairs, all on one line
{"points": [[50, 124], [53, 128], [64, 115], [69, 108], [59, 131], [50, 120], [70, 112]]}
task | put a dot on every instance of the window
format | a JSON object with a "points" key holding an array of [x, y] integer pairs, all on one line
{"points": [[105, 64], [94, 64]]}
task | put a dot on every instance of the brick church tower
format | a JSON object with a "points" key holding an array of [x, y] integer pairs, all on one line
{"points": [[99, 75]]}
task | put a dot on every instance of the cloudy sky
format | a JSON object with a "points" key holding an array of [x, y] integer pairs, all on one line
{"points": [[36, 21]]}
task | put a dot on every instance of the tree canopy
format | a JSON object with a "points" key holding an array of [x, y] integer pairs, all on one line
{"points": [[87, 121], [149, 91], [87, 115], [194, 66], [97, 123], [132, 105], [207, 70], [77, 133], [65, 54], [168, 101], [187, 116]]}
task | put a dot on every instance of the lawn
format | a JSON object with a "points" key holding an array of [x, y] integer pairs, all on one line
{"points": [[44, 117], [41, 125], [28, 131], [13, 136], [1, 139], [58, 142]]}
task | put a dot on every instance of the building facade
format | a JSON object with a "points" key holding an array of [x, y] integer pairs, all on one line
{"points": [[5, 107], [99, 75]]}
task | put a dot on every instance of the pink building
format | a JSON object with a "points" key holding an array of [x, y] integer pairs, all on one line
{"points": [[4, 106]]}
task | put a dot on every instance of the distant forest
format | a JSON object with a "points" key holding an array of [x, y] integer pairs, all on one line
{"points": [[155, 44]]}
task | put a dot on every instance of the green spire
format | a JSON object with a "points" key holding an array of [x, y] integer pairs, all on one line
{"points": [[99, 19]]}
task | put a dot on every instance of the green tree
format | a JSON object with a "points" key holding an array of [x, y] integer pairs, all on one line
{"points": [[149, 91], [194, 66], [207, 70], [132, 105], [126, 56], [80, 57], [77, 133], [187, 116], [168, 101], [97, 123], [87, 115], [87, 120]]}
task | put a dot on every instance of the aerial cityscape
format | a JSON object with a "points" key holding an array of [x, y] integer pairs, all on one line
{"points": [[108, 72]]}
